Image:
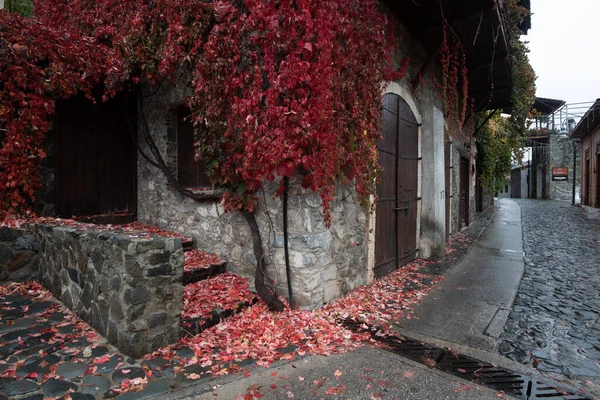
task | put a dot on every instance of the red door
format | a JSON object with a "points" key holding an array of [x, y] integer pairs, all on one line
{"points": [[396, 227]]}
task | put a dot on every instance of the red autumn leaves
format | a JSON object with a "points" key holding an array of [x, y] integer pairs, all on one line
{"points": [[257, 333], [278, 87], [222, 292], [197, 259]]}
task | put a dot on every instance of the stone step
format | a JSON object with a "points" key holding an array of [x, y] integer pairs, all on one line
{"points": [[195, 326], [207, 302], [188, 245], [200, 274], [105, 219]]}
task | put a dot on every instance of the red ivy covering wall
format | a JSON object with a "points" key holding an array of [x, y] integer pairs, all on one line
{"points": [[280, 87]]}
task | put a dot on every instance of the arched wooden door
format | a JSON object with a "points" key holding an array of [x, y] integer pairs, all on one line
{"points": [[396, 226]]}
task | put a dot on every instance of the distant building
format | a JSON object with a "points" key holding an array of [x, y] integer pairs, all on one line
{"points": [[549, 170], [505, 191], [519, 176], [587, 132]]}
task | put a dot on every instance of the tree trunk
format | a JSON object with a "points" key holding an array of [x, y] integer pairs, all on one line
{"points": [[259, 278]]}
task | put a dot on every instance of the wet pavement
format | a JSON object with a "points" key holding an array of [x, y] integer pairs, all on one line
{"points": [[555, 323], [47, 352], [471, 303]]}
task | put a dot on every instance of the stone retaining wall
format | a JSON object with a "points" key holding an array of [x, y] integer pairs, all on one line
{"points": [[18, 255], [128, 288]]}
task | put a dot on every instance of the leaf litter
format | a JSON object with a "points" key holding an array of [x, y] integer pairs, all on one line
{"points": [[257, 333]]}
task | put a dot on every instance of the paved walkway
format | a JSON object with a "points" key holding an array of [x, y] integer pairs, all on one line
{"points": [[555, 319], [366, 373], [472, 302], [555, 323]]}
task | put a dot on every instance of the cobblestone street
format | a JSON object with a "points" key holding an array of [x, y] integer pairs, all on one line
{"points": [[555, 323]]}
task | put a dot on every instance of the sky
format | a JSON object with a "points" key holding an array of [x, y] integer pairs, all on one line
{"points": [[565, 49]]}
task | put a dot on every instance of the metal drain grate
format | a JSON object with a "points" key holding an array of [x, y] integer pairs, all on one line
{"points": [[542, 390], [485, 373], [468, 368]]}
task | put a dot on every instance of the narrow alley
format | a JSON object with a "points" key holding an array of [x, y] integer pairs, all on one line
{"points": [[549, 319]]}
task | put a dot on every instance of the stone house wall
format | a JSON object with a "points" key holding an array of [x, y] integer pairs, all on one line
{"points": [[561, 155], [325, 263], [461, 148], [127, 288]]}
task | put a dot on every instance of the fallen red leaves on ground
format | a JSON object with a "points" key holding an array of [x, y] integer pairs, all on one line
{"points": [[259, 334], [225, 291], [459, 240], [81, 331], [388, 299], [135, 228], [195, 259]]}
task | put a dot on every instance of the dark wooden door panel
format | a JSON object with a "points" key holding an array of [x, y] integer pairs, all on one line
{"points": [[464, 193], [386, 257], [447, 171], [597, 205], [408, 151], [116, 167], [96, 160], [396, 217]]}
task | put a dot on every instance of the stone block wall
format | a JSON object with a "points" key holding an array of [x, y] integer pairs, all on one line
{"points": [[128, 288], [18, 255], [560, 154]]}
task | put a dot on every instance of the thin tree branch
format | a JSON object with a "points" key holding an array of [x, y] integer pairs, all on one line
{"points": [[259, 278]]}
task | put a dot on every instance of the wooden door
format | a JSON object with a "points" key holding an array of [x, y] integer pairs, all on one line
{"points": [[464, 193], [447, 191], [597, 176], [587, 180], [396, 227], [96, 160], [408, 200]]}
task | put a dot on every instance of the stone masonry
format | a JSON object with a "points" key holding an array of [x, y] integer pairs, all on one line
{"points": [[18, 255], [127, 286], [560, 154], [325, 263]]}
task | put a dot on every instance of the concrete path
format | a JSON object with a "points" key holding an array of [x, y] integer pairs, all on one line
{"points": [[367, 373], [472, 303]]}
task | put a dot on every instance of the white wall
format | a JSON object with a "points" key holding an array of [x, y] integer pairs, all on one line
{"points": [[433, 211]]}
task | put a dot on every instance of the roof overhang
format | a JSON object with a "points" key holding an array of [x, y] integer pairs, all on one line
{"points": [[589, 122], [546, 106], [480, 27]]}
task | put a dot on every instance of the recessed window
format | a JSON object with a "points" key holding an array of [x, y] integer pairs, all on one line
{"points": [[189, 172]]}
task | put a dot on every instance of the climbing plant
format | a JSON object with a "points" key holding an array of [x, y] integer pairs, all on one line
{"points": [[495, 150], [23, 7], [454, 86], [280, 87], [522, 74], [499, 141]]}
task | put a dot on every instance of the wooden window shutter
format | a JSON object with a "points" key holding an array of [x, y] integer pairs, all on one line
{"points": [[189, 172]]}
